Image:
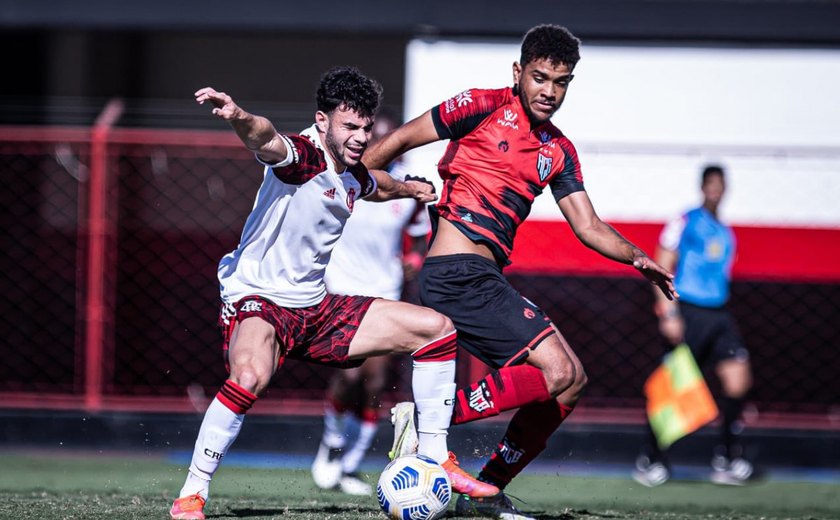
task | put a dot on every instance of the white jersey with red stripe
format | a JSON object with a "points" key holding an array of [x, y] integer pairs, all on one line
{"points": [[367, 260], [299, 213]]}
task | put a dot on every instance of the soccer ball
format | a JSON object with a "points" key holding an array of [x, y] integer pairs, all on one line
{"points": [[414, 487]]}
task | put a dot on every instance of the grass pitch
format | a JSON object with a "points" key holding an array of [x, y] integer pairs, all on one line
{"points": [[96, 485]]}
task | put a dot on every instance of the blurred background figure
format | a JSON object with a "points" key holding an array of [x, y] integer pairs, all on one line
{"points": [[372, 260], [700, 249]]}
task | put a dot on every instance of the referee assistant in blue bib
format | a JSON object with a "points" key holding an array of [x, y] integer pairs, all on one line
{"points": [[701, 250]]}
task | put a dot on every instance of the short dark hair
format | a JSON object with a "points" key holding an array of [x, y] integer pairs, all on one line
{"points": [[349, 87], [552, 42], [711, 169]]}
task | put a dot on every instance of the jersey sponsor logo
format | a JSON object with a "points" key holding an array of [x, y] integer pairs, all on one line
{"points": [[460, 100], [251, 306], [330, 193], [508, 119], [544, 166], [510, 454], [480, 398], [504, 146], [351, 198]]}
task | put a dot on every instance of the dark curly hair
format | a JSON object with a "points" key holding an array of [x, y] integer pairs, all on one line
{"points": [[551, 42], [349, 87]]}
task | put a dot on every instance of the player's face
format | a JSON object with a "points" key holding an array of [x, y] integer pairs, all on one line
{"points": [[542, 87], [713, 189], [346, 134]]}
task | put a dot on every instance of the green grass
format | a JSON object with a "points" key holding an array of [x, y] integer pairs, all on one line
{"points": [[92, 486]]}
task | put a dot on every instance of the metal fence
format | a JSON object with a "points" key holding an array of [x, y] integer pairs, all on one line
{"points": [[111, 239]]}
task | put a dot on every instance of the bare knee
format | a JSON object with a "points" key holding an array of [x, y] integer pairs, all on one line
{"points": [[433, 325], [569, 379], [251, 377], [735, 377]]}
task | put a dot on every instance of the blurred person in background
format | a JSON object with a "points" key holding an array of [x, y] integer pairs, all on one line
{"points": [[503, 152], [274, 300], [701, 250], [368, 260]]}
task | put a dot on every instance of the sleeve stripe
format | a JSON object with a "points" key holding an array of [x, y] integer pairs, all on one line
{"points": [[441, 128]]}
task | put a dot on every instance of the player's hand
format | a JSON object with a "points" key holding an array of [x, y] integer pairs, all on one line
{"points": [[657, 275], [672, 328], [421, 189], [223, 105]]}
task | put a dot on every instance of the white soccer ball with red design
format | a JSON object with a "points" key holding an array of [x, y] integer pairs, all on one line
{"points": [[414, 487]]}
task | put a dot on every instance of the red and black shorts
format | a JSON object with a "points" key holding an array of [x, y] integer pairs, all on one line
{"points": [[495, 323], [318, 334]]}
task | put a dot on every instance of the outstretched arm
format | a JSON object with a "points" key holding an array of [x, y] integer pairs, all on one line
{"points": [[388, 188], [256, 132], [417, 132], [601, 237]]}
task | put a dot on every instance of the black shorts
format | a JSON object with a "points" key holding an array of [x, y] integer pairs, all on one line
{"points": [[712, 334], [495, 323]]}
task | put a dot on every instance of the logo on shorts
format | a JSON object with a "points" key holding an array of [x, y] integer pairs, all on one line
{"points": [[251, 306], [509, 453], [330, 193], [528, 313], [480, 398]]}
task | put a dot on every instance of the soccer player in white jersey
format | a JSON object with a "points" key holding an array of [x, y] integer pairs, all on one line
{"points": [[368, 260], [274, 301]]}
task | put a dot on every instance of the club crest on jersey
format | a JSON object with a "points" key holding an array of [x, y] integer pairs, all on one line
{"points": [[544, 166], [351, 198]]}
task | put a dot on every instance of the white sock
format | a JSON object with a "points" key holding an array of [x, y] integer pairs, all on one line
{"points": [[353, 457], [433, 386], [218, 431], [333, 437]]}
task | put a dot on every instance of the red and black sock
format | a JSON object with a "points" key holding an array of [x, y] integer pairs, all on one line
{"points": [[526, 437], [236, 398], [505, 389]]}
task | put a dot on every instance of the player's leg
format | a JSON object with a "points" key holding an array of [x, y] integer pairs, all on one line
{"points": [[732, 367], [532, 425], [338, 407], [253, 355], [430, 339], [365, 415]]}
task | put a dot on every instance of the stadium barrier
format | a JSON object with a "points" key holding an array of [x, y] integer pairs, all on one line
{"points": [[112, 236]]}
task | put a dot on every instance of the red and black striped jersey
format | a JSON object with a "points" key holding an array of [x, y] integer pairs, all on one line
{"points": [[496, 165]]}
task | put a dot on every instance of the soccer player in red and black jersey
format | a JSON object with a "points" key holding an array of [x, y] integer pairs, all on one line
{"points": [[503, 152]]}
